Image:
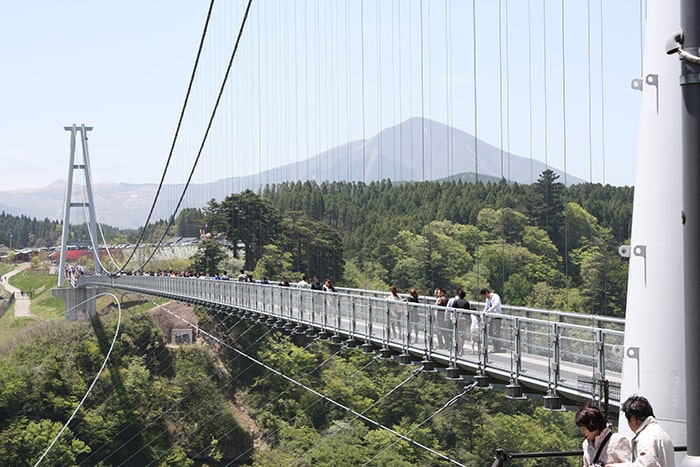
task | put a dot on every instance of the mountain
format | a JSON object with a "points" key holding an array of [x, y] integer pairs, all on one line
{"points": [[417, 149]]}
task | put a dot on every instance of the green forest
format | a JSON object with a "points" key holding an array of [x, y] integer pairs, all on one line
{"points": [[214, 403], [542, 245], [222, 400]]}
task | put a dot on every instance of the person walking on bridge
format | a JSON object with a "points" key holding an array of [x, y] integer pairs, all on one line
{"points": [[458, 301], [493, 307], [651, 445], [601, 446], [316, 284], [394, 315], [441, 330]]}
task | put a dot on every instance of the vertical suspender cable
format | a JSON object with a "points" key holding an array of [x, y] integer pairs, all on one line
{"points": [[429, 110], [259, 81], [400, 119], [448, 74], [422, 98], [396, 95], [602, 92], [362, 79], [507, 120], [297, 105], [379, 92], [544, 67], [318, 93], [566, 185], [307, 79], [602, 140], [590, 92], [348, 148], [529, 80], [500, 84], [507, 169], [335, 90], [410, 85], [476, 140]]}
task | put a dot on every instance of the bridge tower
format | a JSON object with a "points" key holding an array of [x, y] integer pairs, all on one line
{"points": [[90, 204], [654, 350]]}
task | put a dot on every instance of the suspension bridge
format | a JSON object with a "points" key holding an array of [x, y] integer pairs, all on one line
{"points": [[565, 356], [305, 85]]}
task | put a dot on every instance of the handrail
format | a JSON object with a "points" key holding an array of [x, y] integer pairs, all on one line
{"points": [[502, 457], [547, 351]]}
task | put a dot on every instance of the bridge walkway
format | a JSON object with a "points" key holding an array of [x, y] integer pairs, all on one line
{"points": [[568, 357]]}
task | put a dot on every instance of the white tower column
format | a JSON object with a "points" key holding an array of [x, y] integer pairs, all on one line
{"points": [[92, 221]]}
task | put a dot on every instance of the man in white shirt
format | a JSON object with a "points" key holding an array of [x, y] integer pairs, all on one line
{"points": [[651, 445], [493, 307]]}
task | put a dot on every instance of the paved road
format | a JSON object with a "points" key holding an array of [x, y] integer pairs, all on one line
{"points": [[21, 300]]}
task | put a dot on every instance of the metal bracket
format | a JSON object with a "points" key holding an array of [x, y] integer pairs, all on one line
{"points": [[633, 352], [652, 79], [641, 250]]}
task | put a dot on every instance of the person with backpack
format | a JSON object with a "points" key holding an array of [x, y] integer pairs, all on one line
{"points": [[460, 303]]}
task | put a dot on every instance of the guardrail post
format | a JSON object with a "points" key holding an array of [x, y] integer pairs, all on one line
{"points": [[500, 459], [486, 324], [599, 373]]}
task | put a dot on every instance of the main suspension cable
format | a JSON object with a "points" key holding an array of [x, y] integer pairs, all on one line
{"points": [[175, 137]]}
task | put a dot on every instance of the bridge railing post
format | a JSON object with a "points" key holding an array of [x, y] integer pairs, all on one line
{"points": [[485, 326], [456, 350]]}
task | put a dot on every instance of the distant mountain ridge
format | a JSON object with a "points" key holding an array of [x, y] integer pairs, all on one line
{"points": [[417, 149]]}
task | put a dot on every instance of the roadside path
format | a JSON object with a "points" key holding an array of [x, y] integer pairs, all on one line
{"points": [[21, 300]]}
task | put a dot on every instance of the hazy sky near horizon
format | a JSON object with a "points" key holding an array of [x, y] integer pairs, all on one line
{"points": [[311, 75]]}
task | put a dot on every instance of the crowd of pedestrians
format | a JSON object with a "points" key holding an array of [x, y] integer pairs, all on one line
{"points": [[455, 320]]}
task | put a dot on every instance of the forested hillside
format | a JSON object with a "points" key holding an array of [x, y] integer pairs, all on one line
{"points": [[24, 232], [540, 245], [208, 404]]}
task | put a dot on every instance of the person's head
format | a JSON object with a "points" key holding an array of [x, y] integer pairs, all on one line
{"points": [[441, 292], [413, 292], [636, 410], [460, 293], [485, 293], [393, 290], [591, 421], [317, 279]]}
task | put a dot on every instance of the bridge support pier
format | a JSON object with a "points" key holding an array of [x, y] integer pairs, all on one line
{"points": [[79, 302]]}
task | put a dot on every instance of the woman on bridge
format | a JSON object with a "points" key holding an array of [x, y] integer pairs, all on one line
{"points": [[601, 446]]}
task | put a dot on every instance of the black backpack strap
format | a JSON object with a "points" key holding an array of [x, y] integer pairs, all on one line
{"points": [[602, 445]]}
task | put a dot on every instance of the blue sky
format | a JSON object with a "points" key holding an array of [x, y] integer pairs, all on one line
{"points": [[300, 84]]}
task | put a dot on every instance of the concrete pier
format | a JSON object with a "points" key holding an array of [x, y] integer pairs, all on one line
{"points": [[79, 302]]}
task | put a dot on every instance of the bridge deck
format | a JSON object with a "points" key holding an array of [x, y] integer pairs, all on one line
{"points": [[577, 357]]}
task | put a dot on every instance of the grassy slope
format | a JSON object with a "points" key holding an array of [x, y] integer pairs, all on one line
{"points": [[44, 307]]}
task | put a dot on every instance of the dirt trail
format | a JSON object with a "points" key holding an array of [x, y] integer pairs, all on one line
{"points": [[21, 299]]}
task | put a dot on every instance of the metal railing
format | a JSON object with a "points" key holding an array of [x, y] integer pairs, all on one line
{"points": [[503, 457], [573, 355]]}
